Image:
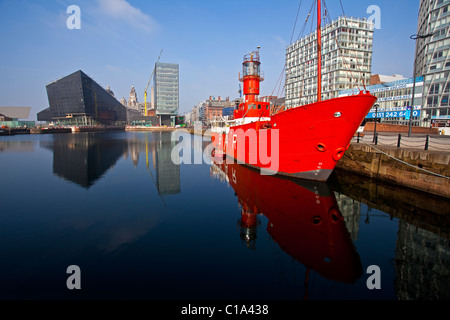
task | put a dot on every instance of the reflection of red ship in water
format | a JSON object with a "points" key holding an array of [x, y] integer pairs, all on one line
{"points": [[303, 219]]}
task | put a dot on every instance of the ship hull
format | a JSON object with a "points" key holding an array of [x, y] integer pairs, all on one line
{"points": [[304, 142]]}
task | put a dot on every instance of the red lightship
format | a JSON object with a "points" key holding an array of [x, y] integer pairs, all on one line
{"points": [[303, 142]]}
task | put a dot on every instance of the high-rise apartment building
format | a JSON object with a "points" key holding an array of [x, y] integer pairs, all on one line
{"points": [[346, 61], [166, 89], [432, 61]]}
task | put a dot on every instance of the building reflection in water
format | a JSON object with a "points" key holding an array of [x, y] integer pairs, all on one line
{"points": [[303, 219], [157, 149], [167, 172], [17, 146], [84, 158], [422, 264], [351, 211], [422, 252]]}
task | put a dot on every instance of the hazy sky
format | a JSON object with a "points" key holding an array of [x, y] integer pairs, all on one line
{"points": [[119, 42]]}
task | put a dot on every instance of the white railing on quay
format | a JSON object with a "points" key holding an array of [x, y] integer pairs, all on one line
{"points": [[401, 140]]}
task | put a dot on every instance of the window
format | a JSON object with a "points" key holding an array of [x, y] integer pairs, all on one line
{"points": [[447, 88], [432, 101], [444, 101], [437, 55], [434, 89]]}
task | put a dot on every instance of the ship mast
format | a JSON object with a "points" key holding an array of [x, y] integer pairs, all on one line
{"points": [[319, 53]]}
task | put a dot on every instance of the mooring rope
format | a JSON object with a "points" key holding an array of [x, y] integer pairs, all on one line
{"points": [[415, 167]]}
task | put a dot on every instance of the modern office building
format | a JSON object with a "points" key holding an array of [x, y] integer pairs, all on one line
{"points": [[346, 61], [78, 100], [166, 90], [394, 98], [432, 60]]}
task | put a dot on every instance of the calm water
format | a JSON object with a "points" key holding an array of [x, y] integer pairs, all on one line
{"points": [[140, 227]]}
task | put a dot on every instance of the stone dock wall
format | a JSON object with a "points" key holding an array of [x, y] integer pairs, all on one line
{"points": [[421, 170]]}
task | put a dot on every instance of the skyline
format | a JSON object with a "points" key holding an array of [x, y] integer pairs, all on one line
{"points": [[119, 42]]}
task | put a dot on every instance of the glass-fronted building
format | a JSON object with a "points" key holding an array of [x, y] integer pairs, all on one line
{"points": [[166, 89], [394, 99], [78, 100]]}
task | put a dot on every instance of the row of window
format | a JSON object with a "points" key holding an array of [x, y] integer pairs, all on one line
{"points": [[441, 21], [435, 77], [436, 88], [441, 11], [434, 101], [438, 112], [439, 66]]}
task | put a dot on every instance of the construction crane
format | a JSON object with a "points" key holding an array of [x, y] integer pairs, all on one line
{"points": [[145, 91]]}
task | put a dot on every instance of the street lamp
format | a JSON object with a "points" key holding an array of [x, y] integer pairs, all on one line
{"points": [[415, 37], [376, 116]]}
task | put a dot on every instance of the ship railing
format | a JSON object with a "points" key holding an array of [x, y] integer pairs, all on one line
{"points": [[252, 56], [222, 121]]}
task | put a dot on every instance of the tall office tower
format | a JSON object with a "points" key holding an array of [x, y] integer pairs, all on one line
{"points": [[166, 89], [346, 61], [432, 60]]}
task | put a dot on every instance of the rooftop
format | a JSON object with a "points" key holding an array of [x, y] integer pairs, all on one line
{"points": [[16, 112]]}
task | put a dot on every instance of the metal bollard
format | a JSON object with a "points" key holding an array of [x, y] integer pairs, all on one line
{"points": [[399, 139], [426, 142]]}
